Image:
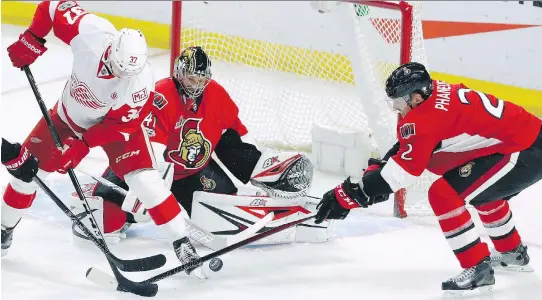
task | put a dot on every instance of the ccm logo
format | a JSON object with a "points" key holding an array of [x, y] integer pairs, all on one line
{"points": [[344, 196], [126, 155]]}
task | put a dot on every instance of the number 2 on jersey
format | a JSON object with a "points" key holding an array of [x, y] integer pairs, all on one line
{"points": [[405, 154], [495, 111]]}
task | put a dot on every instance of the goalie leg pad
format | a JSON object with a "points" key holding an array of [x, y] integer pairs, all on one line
{"points": [[109, 218], [310, 232], [106, 192], [228, 215]]}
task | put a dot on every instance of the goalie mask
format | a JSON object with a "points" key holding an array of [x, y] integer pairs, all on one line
{"points": [[192, 71]]}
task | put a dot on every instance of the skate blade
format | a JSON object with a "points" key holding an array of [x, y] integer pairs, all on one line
{"points": [[525, 269], [199, 273], [458, 294]]}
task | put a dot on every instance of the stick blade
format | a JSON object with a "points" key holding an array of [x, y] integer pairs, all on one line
{"points": [[139, 264], [102, 279], [120, 283]]}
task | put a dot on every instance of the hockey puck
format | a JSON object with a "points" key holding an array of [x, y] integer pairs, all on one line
{"points": [[215, 264]]}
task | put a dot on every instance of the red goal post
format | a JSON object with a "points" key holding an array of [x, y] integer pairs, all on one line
{"points": [[406, 26]]}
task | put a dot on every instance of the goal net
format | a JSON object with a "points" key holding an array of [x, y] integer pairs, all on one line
{"points": [[324, 63]]}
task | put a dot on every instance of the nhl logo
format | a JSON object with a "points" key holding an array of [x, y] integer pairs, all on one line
{"points": [[466, 170]]}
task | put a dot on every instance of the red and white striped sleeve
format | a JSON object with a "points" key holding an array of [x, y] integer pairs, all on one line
{"points": [[63, 17]]}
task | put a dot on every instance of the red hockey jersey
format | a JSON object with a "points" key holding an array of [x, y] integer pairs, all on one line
{"points": [[191, 137], [454, 126]]}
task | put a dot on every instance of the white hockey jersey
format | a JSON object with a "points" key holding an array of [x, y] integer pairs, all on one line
{"points": [[96, 105]]}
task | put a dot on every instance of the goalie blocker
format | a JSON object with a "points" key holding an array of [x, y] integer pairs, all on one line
{"points": [[210, 198]]}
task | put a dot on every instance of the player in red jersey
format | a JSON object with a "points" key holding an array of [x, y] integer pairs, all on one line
{"points": [[193, 117], [486, 151], [102, 105]]}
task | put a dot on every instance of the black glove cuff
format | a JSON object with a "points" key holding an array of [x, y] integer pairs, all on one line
{"points": [[9, 151], [39, 39], [376, 161]]}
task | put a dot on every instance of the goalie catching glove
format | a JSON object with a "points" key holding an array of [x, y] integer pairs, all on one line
{"points": [[283, 175]]}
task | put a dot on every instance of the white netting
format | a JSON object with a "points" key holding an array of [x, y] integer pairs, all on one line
{"points": [[283, 89]]}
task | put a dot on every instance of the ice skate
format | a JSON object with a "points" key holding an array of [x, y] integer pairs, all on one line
{"points": [[187, 254], [515, 260], [480, 277], [7, 237]]}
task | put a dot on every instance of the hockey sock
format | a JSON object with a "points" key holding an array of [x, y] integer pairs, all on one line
{"points": [[162, 206], [167, 215], [17, 198], [456, 224], [497, 219]]}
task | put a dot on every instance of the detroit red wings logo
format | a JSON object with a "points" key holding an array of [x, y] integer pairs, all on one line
{"points": [[194, 149], [82, 94]]}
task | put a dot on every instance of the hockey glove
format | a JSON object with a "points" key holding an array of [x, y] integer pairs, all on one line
{"points": [[20, 163], [337, 203], [26, 50], [375, 164], [72, 156]]}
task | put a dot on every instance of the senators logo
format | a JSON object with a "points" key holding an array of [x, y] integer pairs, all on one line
{"points": [[194, 149], [466, 170], [207, 183]]}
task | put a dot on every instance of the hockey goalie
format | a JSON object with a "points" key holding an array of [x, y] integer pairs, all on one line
{"points": [[192, 118]]}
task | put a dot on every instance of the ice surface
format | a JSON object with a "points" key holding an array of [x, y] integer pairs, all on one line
{"points": [[373, 256]]}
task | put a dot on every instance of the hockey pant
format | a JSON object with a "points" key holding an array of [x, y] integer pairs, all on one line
{"points": [[487, 183]]}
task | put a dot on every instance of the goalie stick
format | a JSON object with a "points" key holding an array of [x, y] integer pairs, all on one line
{"points": [[140, 264], [146, 264], [195, 232], [105, 280]]}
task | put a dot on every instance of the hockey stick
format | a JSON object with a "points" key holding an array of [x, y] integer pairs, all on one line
{"points": [[105, 280], [124, 284], [195, 232], [127, 266]]}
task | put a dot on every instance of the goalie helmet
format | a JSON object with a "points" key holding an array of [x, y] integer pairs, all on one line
{"points": [[192, 71], [127, 53], [407, 79]]}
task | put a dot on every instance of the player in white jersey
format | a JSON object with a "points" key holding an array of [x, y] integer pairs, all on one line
{"points": [[102, 104]]}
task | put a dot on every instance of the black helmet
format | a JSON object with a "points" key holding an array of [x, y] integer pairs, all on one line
{"points": [[193, 62], [407, 79]]}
